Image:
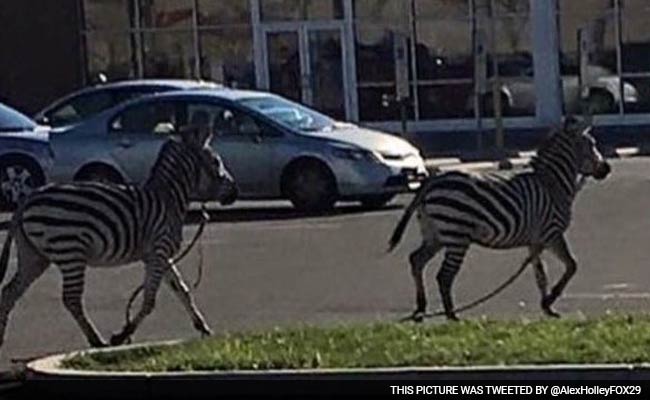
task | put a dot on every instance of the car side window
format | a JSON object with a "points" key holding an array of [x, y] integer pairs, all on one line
{"points": [[160, 118], [80, 107], [222, 120]]}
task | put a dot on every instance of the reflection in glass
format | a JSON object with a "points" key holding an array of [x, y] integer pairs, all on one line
{"points": [[227, 56], [168, 54], [597, 20], [284, 64], [444, 49], [110, 54], [166, 13], [441, 9], [218, 12], [375, 59], [516, 71], [395, 12], [373, 105], [288, 10], [446, 101], [107, 14], [511, 7], [636, 55], [326, 64]]}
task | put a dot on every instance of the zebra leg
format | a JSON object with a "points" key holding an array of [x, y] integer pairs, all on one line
{"points": [[73, 288], [542, 283], [31, 266], [454, 256], [175, 281], [561, 249], [419, 259], [154, 271]]}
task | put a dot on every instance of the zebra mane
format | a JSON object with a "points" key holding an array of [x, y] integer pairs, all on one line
{"points": [[550, 146], [172, 172]]}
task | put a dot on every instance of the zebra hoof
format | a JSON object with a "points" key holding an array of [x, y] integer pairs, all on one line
{"points": [[452, 317], [551, 313], [416, 316], [547, 301], [119, 339], [205, 331], [99, 344]]}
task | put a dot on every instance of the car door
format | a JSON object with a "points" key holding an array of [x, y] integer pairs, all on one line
{"points": [[248, 148], [136, 135]]}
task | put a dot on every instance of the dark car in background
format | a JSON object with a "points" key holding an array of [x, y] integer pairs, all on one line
{"points": [[25, 156], [89, 101]]}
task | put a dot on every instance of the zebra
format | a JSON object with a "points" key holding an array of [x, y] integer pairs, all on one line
{"points": [[529, 208], [94, 224]]}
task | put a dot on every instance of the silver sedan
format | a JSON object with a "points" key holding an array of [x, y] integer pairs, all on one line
{"points": [[275, 148]]}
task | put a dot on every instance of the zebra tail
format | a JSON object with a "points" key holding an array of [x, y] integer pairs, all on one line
{"points": [[6, 251], [401, 226]]}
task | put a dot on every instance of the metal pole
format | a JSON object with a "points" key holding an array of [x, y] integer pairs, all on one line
{"points": [[496, 82], [478, 50]]}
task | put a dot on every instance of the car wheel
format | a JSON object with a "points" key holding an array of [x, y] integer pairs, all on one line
{"points": [[311, 187], [601, 103], [376, 201], [101, 174], [18, 178]]}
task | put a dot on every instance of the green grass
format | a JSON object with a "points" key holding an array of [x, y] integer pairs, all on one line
{"points": [[608, 339]]}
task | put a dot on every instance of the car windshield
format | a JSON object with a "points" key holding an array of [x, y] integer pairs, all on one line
{"points": [[11, 120], [290, 114]]}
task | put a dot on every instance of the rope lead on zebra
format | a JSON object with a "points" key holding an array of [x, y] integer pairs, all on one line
{"points": [[418, 318], [205, 218]]}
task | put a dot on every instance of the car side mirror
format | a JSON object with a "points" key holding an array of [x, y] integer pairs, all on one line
{"points": [[42, 120]]}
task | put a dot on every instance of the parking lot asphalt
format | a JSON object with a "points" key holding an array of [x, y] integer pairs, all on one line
{"points": [[267, 265]]}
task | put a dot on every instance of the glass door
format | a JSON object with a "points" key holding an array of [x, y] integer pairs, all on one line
{"points": [[284, 64], [305, 62], [325, 91]]}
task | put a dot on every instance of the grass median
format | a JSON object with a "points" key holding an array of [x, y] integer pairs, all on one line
{"points": [[607, 339]]}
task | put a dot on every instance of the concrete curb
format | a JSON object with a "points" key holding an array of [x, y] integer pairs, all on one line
{"points": [[45, 376], [49, 367]]}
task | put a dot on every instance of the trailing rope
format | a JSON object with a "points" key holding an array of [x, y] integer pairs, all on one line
{"points": [[481, 300], [205, 217]]}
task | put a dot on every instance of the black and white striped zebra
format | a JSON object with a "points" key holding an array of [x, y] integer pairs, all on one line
{"points": [[531, 208], [103, 225]]}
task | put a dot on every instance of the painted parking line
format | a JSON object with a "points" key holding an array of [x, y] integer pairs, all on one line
{"points": [[608, 296], [628, 151]]}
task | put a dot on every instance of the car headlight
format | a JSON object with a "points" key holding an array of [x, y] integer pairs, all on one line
{"points": [[355, 154]]}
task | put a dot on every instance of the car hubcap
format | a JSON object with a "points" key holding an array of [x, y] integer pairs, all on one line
{"points": [[16, 183]]}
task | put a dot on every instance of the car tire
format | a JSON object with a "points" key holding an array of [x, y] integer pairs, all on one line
{"points": [[376, 201], [601, 103], [19, 176], [99, 173], [310, 186]]}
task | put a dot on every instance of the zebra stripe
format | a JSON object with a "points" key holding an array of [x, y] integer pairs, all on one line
{"points": [[530, 208], [102, 225]]}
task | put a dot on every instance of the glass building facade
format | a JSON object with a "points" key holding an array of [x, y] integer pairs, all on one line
{"points": [[353, 59]]}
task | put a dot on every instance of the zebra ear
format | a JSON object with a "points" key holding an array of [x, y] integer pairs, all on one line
{"points": [[197, 137], [573, 124]]}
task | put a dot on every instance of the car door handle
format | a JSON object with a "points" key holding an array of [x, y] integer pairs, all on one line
{"points": [[125, 144]]}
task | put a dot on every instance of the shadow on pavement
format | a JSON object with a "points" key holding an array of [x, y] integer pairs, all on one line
{"points": [[252, 214], [279, 213]]}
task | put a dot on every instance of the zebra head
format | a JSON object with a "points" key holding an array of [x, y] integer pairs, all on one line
{"points": [[590, 161], [212, 180]]}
